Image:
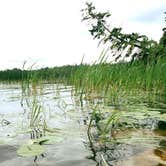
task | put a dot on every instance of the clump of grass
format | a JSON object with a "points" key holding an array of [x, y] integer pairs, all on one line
{"points": [[116, 79]]}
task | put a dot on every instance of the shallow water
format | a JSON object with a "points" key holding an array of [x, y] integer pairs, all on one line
{"points": [[61, 110]]}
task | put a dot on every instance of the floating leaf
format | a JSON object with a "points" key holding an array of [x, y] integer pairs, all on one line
{"points": [[30, 150]]}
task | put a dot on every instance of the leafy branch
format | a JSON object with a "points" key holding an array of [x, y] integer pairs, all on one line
{"points": [[135, 45]]}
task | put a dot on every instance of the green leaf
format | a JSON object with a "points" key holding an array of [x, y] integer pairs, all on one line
{"points": [[30, 150], [48, 140]]}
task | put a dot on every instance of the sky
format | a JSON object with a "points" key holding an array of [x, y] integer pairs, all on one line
{"points": [[50, 33]]}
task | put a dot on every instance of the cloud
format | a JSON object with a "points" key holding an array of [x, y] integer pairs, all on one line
{"points": [[150, 16]]}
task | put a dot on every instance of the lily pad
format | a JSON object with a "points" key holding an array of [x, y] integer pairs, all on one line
{"points": [[30, 150]]}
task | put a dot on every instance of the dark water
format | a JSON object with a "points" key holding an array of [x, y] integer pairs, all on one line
{"points": [[61, 110]]}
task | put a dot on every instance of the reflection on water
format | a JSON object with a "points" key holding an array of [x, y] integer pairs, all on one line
{"points": [[55, 118]]}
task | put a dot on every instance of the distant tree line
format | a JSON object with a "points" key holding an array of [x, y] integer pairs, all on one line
{"points": [[55, 73]]}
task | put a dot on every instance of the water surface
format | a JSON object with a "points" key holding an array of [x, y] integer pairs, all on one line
{"points": [[67, 118]]}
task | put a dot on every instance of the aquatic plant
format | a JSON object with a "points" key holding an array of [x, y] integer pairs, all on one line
{"points": [[30, 150], [34, 109]]}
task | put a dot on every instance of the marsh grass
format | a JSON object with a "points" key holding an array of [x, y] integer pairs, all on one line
{"points": [[120, 87], [120, 84], [114, 80]]}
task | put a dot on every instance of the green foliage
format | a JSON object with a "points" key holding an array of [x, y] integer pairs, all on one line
{"points": [[161, 50], [8, 75], [117, 40], [115, 79], [58, 74]]}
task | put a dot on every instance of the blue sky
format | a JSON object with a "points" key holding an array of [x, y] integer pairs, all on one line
{"points": [[51, 33], [155, 15]]}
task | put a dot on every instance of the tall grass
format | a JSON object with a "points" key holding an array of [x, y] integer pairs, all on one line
{"points": [[115, 79], [101, 77]]}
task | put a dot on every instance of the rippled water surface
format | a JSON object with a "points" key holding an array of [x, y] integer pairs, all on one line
{"points": [[65, 122], [60, 112]]}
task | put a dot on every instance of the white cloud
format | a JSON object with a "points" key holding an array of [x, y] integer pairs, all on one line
{"points": [[51, 32]]}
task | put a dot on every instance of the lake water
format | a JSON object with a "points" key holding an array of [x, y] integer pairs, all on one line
{"points": [[58, 111]]}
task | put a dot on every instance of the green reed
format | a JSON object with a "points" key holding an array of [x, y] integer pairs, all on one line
{"points": [[122, 77]]}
